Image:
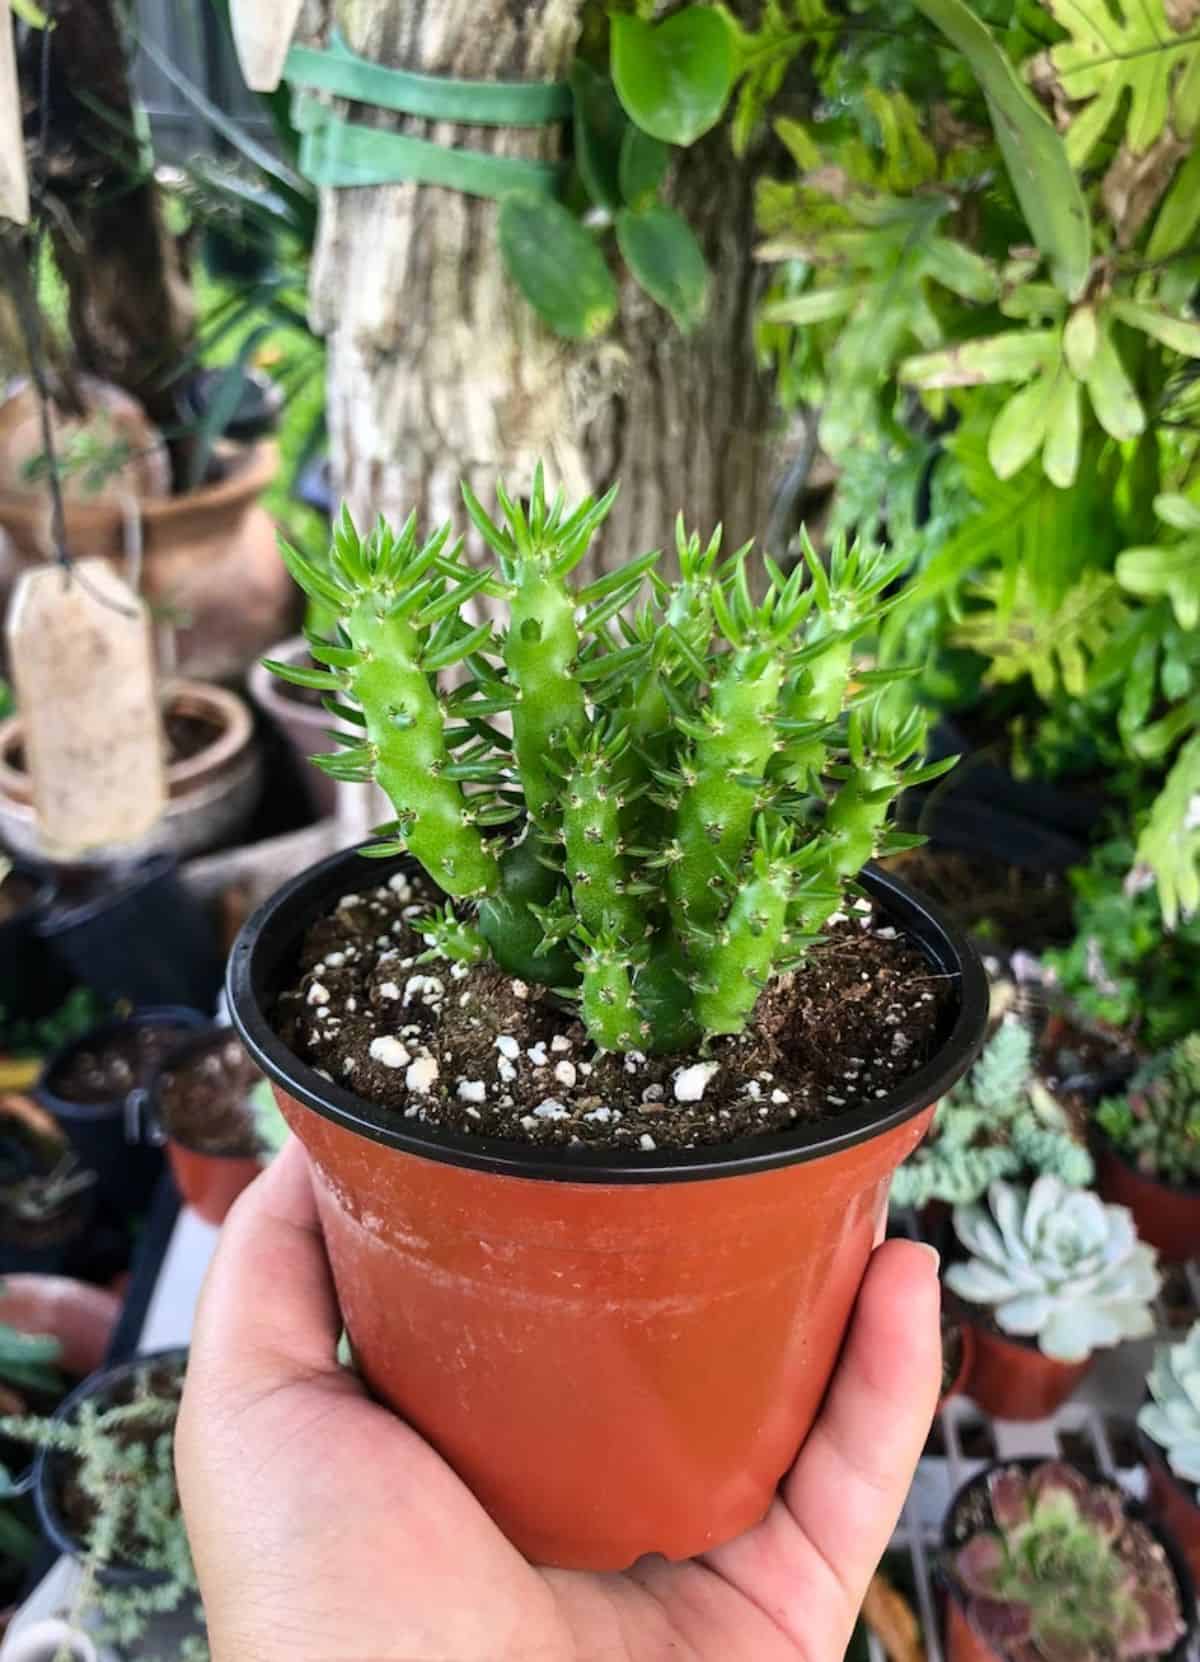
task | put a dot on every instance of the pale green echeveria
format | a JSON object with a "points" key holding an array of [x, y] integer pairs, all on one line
{"points": [[1055, 1264], [1172, 1419]]}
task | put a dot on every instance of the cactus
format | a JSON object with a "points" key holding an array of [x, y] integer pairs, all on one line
{"points": [[1172, 1417], [1001, 1122], [1063, 1574], [1157, 1123], [620, 793], [1057, 1265]]}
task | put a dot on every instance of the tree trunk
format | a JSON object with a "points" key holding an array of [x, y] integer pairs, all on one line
{"points": [[438, 368], [130, 312]]}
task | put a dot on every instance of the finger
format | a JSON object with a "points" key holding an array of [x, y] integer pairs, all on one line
{"points": [[268, 1314], [810, 1561]]}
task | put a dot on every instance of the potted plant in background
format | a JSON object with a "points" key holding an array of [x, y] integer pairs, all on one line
{"points": [[617, 1008], [47, 1199], [1149, 1150], [1169, 1427], [1001, 1121], [1044, 1566], [1055, 1275], [105, 1493]]}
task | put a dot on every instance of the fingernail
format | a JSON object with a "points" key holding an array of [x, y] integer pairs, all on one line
{"points": [[933, 1253]]}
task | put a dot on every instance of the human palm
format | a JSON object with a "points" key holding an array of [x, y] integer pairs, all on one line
{"points": [[324, 1529]]}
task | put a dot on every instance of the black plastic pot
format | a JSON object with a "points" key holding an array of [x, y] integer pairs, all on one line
{"points": [[445, 1245], [967, 1646], [48, 1465], [53, 1257], [32, 981], [140, 937], [102, 1133]]}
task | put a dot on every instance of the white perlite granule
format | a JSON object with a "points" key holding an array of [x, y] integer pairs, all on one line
{"points": [[389, 989], [421, 1075], [317, 994], [564, 1072], [506, 1070], [389, 1052], [552, 1110], [472, 1090], [428, 988], [508, 1046], [646, 1141], [537, 1054], [691, 1083], [560, 1043]]}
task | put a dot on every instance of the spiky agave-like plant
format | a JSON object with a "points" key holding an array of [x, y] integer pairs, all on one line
{"points": [[650, 796]]}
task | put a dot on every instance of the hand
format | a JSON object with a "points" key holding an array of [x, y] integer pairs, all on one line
{"points": [[324, 1529]]}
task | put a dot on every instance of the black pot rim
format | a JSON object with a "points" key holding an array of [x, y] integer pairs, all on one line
{"points": [[45, 891], [1153, 1452], [114, 1575], [268, 945], [109, 893], [211, 1035], [147, 1015], [1184, 1579], [1187, 1191]]}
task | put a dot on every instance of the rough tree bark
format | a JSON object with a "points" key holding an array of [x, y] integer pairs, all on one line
{"points": [[131, 315], [439, 370]]}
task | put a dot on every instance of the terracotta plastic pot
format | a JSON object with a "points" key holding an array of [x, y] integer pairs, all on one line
{"points": [[81, 1317], [1166, 1214], [1015, 1381], [964, 1644], [307, 727], [210, 795], [209, 558], [958, 1385], [1175, 1502], [620, 1352], [207, 1181]]}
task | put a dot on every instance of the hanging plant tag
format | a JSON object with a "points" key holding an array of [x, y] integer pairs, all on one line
{"points": [[262, 33], [14, 182], [83, 669]]}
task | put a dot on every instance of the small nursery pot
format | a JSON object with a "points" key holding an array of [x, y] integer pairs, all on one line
{"points": [[31, 982], [964, 1644], [40, 1246], [46, 1469], [208, 1181], [1167, 1215], [126, 1174], [966, 1360], [81, 1317], [620, 1352], [1177, 1503], [1013, 1380]]}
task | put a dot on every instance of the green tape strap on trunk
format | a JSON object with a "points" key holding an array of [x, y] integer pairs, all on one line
{"points": [[340, 70], [335, 153]]}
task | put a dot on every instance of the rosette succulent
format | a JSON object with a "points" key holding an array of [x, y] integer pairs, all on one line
{"points": [[1062, 1574], [1056, 1264], [1000, 1122], [1172, 1417], [1157, 1123]]}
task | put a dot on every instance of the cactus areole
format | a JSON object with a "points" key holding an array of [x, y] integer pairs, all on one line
{"points": [[621, 817]]}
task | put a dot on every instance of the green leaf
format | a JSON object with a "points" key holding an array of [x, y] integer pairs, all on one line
{"points": [[1079, 341], [1019, 429], [643, 166], [1170, 843], [1177, 511], [557, 266], [674, 78], [1179, 216], [600, 127], [961, 270], [1046, 184], [813, 306], [1175, 332], [1171, 572], [1064, 425], [1114, 398], [29, 13], [661, 251], [1011, 357]]}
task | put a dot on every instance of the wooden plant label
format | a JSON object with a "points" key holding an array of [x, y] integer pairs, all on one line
{"points": [[262, 33], [14, 181], [83, 669]]}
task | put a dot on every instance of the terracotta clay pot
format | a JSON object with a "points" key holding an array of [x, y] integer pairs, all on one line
{"points": [[1015, 1381], [1167, 1215], [620, 1352], [81, 1317], [211, 794], [306, 726], [963, 1644], [1175, 1502], [209, 558], [208, 1181]]}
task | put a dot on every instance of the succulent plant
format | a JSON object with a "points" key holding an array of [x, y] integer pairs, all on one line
{"points": [[1172, 1419], [1157, 1121], [1062, 1574], [1000, 1122], [623, 791], [1057, 1265]]}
